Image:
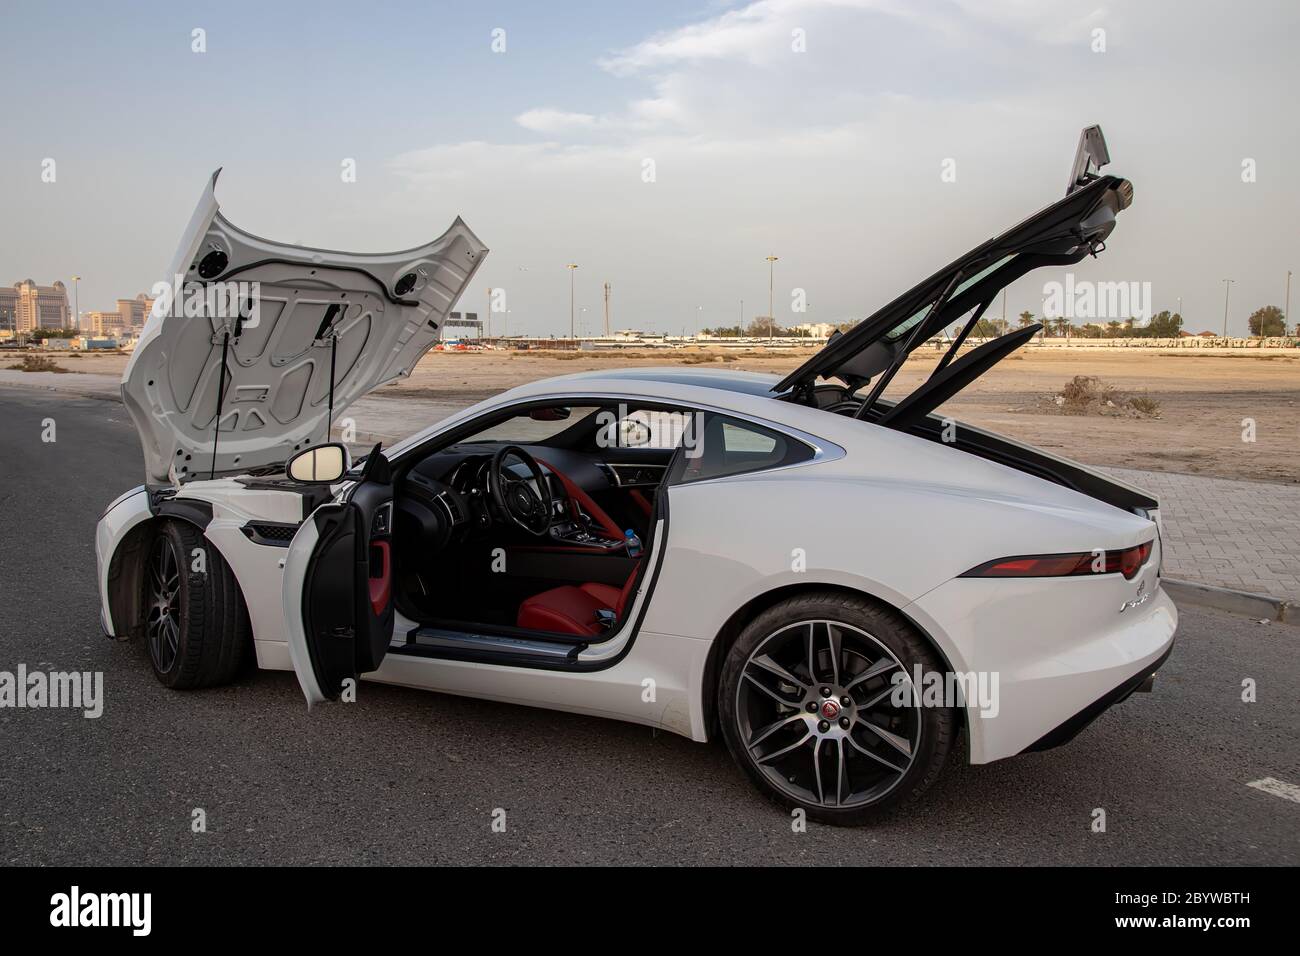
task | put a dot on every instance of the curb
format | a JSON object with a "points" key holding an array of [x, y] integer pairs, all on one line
{"points": [[1258, 606]]}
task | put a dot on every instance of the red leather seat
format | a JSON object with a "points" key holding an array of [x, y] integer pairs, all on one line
{"points": [[572, 610]]}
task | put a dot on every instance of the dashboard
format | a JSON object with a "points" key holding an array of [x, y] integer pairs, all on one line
{"points": [[445, 497]]}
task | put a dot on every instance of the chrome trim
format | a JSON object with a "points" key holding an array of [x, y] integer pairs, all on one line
{"points": [[614, 466], [441, 498]]}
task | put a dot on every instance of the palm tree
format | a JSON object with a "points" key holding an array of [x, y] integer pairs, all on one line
{"points": [[1026, 319]]}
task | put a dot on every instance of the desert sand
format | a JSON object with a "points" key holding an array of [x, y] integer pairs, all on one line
{"points": [[1206, 401]]}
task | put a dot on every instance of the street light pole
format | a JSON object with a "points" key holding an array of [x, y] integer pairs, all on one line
{"points": [[572, 266], [1286, 305], [771, 311], [1227, 288]]}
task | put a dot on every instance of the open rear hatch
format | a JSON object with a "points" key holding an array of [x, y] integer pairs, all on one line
{"points": [[255, 346], [1061, 234]]}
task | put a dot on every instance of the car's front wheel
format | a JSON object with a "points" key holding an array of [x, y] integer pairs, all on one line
{"points": [[195, 622], [817, 705]]}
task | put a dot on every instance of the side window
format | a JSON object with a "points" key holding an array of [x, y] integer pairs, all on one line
{"points": [[731, 446], [641, 428]]}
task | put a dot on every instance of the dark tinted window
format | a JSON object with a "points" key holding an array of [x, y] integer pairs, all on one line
{"points": [[718, 446]]}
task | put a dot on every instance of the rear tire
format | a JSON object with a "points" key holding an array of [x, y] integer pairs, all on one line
{"points": [[196, 625], [807, 705]]}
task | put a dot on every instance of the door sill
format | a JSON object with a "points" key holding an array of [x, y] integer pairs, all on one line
{"points": [[482, 647]]}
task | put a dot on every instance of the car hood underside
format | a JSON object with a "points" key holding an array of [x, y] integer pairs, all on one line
{"points": [[277, 336]]}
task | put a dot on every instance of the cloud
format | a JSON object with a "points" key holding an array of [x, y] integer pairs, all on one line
{"points": [[752, 33], [555, 121], [831, 158]]}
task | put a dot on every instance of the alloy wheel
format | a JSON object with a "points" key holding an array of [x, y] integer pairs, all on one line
{"points": [[162, 620], [828, 714]]}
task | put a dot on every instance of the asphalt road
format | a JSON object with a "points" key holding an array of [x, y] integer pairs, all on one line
{"points": [[410, 777]]}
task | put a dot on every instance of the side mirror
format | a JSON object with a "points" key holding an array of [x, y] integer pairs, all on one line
{"points": [[633, 433], [322, 465]]}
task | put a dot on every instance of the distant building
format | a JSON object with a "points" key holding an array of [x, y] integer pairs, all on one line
{"points": [[8, 309], [103, 324], [134, 311], [25, 306], [90, 344], [815, 330]]}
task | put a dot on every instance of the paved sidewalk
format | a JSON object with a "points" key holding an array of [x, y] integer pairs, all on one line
{"points": [[1243, 535]]}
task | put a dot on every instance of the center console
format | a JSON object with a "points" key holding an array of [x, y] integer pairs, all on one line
{"points": [[573, 534]]}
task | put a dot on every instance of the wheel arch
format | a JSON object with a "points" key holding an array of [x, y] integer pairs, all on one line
{"points": [[126, 567], [756, 605]]}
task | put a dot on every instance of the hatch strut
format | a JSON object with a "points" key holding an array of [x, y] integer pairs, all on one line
{"points": [[961, 337], [245, 308], [906, 350], [221, 400], [329, 418], [329, 327]]}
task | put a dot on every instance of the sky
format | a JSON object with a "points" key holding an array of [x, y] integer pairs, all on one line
{"points": [[666, 148]]}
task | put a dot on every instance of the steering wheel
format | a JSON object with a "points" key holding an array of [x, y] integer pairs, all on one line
{"points": [[515, 497]]}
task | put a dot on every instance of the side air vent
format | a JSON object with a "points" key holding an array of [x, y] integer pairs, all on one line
{"points": [[454, 510], [273, 534]]}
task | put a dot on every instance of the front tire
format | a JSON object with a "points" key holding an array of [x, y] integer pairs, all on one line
{"points": [[815, 707], [195, 622]]}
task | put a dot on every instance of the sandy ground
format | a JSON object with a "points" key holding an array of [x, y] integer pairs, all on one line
{"points": [[1205, 399]]}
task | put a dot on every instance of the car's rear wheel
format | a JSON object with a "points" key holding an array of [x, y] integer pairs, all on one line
{"points": [[195, 622], [817, 706]]}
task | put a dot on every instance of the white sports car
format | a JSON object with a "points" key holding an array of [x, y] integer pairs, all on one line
{"points": [[836, 583]]}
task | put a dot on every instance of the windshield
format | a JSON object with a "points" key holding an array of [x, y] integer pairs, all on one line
{"points": [[531, 427]]}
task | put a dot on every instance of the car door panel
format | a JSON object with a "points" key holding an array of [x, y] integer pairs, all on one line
{"points": [[339, 609]]}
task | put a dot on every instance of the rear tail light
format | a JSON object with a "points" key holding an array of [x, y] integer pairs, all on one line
{"points": [[1127, 562]]}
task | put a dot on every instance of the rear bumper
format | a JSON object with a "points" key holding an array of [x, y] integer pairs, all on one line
{"points": [[1059, 651], [1069, 729]]}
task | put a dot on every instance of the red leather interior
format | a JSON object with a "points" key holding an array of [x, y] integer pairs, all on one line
{"points": [[572, 610], [641, 501], [578, 497], [606, 594], [380, 583]]}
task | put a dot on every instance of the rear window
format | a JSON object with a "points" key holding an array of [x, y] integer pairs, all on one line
{"points": [[902, 328], [729, 446]]}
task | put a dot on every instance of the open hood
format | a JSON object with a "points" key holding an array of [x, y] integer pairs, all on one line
{"points": [[296, 330], [1061, 234]]}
